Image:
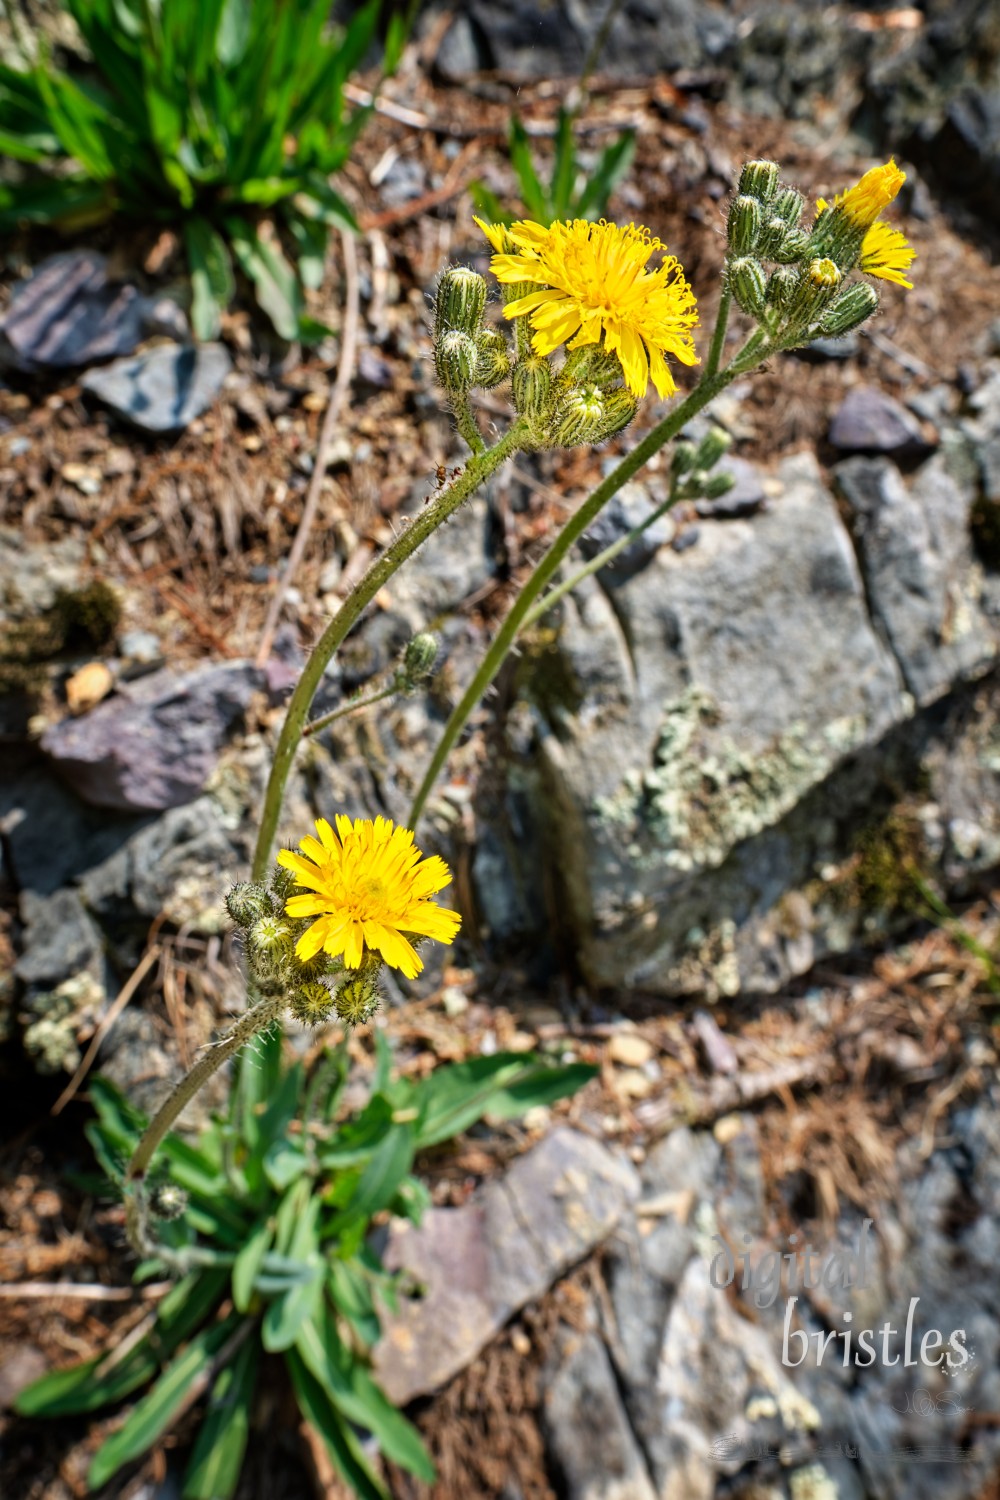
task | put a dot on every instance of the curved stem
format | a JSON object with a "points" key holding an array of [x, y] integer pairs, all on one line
{"points": [[706, 389], [479, 467], [343, 709], [719, 335], [466, 423]]}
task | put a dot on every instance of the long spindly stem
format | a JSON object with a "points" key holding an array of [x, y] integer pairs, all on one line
{"points": [[705, 391], [479, 468], [719, 334]]}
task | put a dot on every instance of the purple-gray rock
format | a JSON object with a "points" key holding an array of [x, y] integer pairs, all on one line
{"points": [[67, 312], [153, 745], [746, 496], [869, 421], [588, 1432], [163, 389], [480, 1263], [623, 513]]}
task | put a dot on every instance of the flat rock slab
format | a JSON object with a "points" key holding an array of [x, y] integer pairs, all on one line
{"points": [[68, 312], [154, 744], [869, 421], [478, 1264], [163, 389]]}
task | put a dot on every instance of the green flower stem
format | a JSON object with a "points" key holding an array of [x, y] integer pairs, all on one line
{"points": [[348, 708], [479, 467], [705, 391], [719, 333], [258, 1018], [466, 423]]}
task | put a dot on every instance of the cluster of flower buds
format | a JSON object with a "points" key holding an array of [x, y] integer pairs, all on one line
{"points": [[792, 281], [691, 465], [315, 990], [583, 402]]}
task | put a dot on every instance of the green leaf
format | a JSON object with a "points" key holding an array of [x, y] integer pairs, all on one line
{"points": [[564, 167], [312, 238], [274, 281], [212, 283], [284, 1163], [351, 1291], [535, 200], [506, 1084], [233, 35], [214, 1467], [389, 1164], [612, 166], [487, 204], [154, 1415], [102, 1381], [289, 1310], [248, 1264], [354, 1393], [343, 1447]]}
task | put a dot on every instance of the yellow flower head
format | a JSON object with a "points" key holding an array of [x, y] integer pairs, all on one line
{"points": [[369, 885], [863, 202], [593, 280], [886, 254]]}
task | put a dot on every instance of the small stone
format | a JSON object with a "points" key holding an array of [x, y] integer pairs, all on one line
{"points": [[141, 647], [68, 312], [868, 420], [454, 1001], [85, 477], [86, 687], [629, 1049], [163, 389]]}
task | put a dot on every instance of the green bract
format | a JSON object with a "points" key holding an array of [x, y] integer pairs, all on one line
{"points": [[213, 116], [275, 1229]]}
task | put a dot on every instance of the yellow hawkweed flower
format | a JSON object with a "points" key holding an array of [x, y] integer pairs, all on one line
{"points": [[886, 254], [592, 280], [369, 886], [863, 202]]}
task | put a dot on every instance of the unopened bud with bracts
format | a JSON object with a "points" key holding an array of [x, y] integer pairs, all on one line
{"points": [[620, 406], [782, 287], [271, 937], [791, 247], [493, 358], [717, 485], [531, 384], [682, 459], [461, 299], [358, 999], [787, 206], [312, 1003], [247, 902], [746, 281], [849, 310], [283, 882], [456, 357], [418, 661], [816, 289], [759, 179], [167, 1201], [713, 445], [744, 225], [580, 417]]}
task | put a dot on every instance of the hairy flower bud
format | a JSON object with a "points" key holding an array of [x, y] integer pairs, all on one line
{"points": [[270, 936], [787, 206], [791, 247], [782, 286], [683, 457], [532, 388], [580, 418], [461, 298], [743, 228], [849, 310], [456, 356], [620, 406], [312, 1003], [717, 485], [493, 358], [167, 1201], [713, 445], [358, 999], [759, 179], [418, 659], [247, 902], [746, 280]]}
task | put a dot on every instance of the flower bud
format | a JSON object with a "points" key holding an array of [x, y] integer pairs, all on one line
{"points": [[580, 418], [853, 307], [358, 999], [620, 406], [717, 485], [419, 658], [743, 228], [792, 247], [782, 286], [746, 280], [683, 457], [461, 298], [312, 1003], [493, 358], [759, 179], [456, 356], [713, 445], [532, 388], [270, 936], [247, 902], [787, 207], [167, 1201], [816, 288]]}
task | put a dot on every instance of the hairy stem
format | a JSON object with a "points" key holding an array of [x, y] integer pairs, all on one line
{"points": [[719, 334], [479, 467]]}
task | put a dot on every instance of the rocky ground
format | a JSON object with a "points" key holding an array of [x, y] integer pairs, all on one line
{"points": [[728, 827]]}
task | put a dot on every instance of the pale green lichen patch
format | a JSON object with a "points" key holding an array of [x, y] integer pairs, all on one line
{"points": [[60, 1015], [702, 795]]}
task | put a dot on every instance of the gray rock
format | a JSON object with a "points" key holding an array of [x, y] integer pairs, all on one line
{"points": [[67, 312], [869, 421], [163, 389], [478, 1264], [746, 496], [452, 564], [629, 508], [588, 1433], [727, 683], [51, 836], [924, 585], [153, 745], [60, 939], [31, 576]]}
